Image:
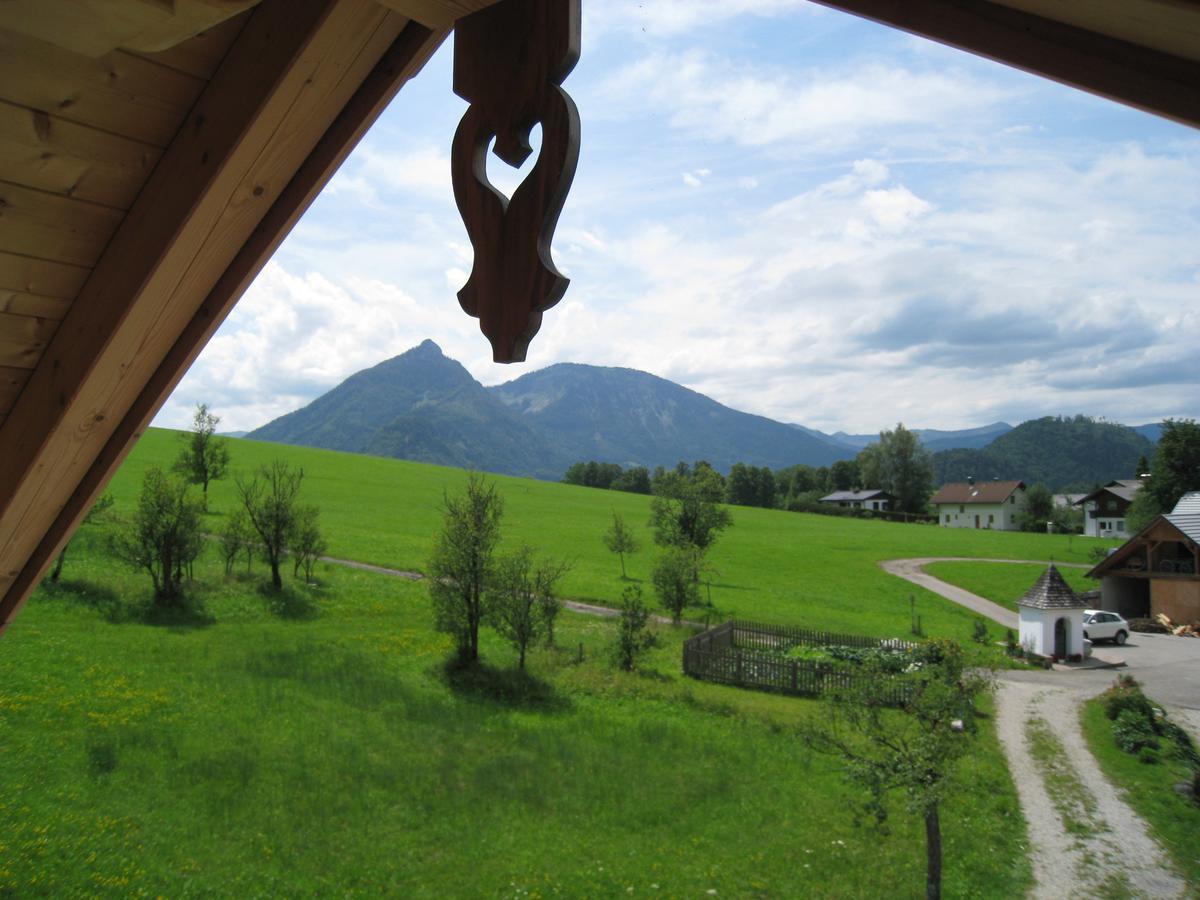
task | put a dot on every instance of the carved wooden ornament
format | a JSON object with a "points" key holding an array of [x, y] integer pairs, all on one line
{"points": [[509, 60]]}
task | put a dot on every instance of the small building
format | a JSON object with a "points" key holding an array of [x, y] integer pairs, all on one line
{"points": [[869, 499], [984, 504], [1051, 617], [1158, 569], [1104, 508]]}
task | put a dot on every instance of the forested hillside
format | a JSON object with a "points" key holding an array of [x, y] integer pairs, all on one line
{"points": [[1065, 453]]}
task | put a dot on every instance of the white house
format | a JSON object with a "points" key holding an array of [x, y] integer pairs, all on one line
{"points": [[1051, 617], [983, 504], [1104, 509], [869, 499]]}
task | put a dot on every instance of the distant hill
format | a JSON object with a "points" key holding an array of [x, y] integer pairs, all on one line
{"points": [[1063, 452], [422, 406], [932, 438], [634, 418]]}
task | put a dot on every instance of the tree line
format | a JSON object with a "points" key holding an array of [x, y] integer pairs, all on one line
{"points": [[898, 463]]}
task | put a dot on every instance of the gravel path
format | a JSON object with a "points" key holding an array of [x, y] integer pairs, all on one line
{"points": [[1116, 846], [588, 609], [913, 570]]}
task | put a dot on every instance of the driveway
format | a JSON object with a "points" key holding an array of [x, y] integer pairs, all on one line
{"points": [[1168, 668]]}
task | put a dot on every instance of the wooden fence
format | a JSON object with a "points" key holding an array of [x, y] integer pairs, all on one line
{"points": [[738, 653]]}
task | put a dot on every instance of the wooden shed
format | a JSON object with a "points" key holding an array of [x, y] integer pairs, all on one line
{"points": [[154, 153], [1158, 569]]}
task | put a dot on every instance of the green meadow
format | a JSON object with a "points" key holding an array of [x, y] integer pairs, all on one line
{"points": [[1005, 583], [316, 742]]}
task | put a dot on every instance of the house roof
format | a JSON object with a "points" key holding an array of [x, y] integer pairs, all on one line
{"points": [[1186, 515], [869, 494], [1124, 488], [963, 492], [1051, 591], [154, 155]]}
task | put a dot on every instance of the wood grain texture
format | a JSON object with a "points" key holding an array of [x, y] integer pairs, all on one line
{"points": [[509, 61], [292, 70], [199, 56], [120, 92], [11, 382], [36, 223], [61, 157], [23, 339], [19, 303], [33, 275], [1120, 70], [97, 27]]}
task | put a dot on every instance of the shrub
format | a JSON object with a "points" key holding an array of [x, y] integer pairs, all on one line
{"points": [[1133, 732], [1147, 756], [633, 636], [1125, 695], [979, 632]]}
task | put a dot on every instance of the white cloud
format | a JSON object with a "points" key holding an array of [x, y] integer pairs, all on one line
{"points": [[816, 110]]}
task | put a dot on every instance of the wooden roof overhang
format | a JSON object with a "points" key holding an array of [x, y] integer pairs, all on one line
{"points": [[154, 153], [1138, 556]]}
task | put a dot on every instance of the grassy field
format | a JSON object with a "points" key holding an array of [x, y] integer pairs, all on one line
{"points": [[317, 745], [771, 566], [1004, 583], [1150, 790]]}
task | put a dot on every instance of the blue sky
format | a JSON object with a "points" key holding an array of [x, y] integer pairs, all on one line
{"points": [[799, 213]]}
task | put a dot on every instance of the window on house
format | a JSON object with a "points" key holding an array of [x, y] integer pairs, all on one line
{"points": [[1012, 499], [991, 518], [1111, 504], [947, 518], [962, 509]]}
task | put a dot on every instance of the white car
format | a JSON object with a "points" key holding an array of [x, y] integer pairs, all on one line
{"points": [[1099, 625]]}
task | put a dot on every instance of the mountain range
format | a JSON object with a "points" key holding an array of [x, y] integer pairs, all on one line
{"points": [[424, 406]]}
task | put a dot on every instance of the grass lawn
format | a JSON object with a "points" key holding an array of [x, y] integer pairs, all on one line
{"points": [[317, 745], [1150, 790], [1004, 583], [771, 566]]}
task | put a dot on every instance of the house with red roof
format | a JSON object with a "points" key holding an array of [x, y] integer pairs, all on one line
{"points": [[984, 504]]}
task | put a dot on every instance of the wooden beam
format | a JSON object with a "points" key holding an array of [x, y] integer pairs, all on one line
{"points": [[437, 14], [406, 54], [1146, 79]]}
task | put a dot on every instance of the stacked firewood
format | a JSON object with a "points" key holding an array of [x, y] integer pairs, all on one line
{"points": [[1192, 630]]}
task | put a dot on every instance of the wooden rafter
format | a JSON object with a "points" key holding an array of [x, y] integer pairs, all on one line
{"points": [[301, 84], [1130, 73]]}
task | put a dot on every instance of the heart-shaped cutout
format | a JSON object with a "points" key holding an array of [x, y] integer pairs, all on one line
{"points": [[504, 177]]}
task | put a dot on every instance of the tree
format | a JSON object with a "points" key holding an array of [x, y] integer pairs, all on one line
{"points": [[634, 637], [269, 499], [1143, 467], [900, 465], [675, 580], [164, 537], [1176, 468], [912, 752], [1141, 512], [237, 537], [306, 541], [1037, 510], [96, 514], [522, 602], [620, 539], [684, 511], [846, 474], [204, 457], [461, 565]]}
